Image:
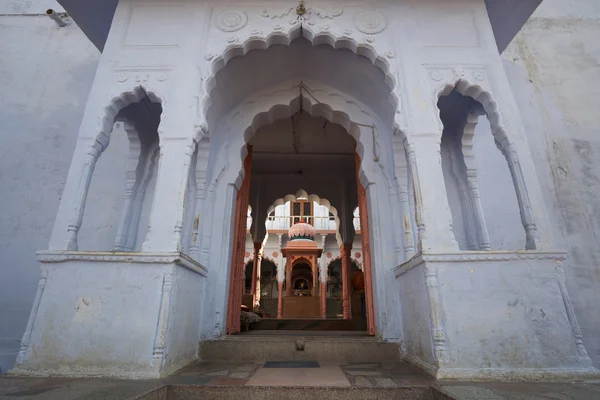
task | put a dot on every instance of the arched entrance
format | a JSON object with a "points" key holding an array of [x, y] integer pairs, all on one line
{"points": [[359, 147], [272, 169]]}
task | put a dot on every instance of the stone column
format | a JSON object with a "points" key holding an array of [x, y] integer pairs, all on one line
{"points": [[401, 171], [203, 151], [166, 216], [132, 180], [483, 237], [323, 279], [70, 214], [458, 173], [527, 217], [288, 276], [279, 300], [434, 220], [256, 273], [345, 252], [140, 194]]}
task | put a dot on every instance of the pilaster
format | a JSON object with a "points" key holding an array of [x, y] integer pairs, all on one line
{"points": [[434, 220], [134, 159], [166, 216]]}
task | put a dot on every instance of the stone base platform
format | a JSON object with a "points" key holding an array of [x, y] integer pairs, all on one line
{"points": [[122, 315], [491, 315]]}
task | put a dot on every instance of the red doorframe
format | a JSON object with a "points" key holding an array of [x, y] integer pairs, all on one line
{"points": [[236, 276], [366, 249]]}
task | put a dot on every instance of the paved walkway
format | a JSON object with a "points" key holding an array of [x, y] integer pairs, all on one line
{"points": [[353, 375]]}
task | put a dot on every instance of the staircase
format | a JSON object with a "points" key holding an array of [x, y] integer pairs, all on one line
{"points": [[310, 325], [288, 345]]}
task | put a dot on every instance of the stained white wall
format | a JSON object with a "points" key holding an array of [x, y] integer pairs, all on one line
{"points": [[553, 66], [45, 75], [46, 72]]}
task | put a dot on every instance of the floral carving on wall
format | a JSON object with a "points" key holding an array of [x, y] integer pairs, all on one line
{"points": [[370, 21], [231, 21]]}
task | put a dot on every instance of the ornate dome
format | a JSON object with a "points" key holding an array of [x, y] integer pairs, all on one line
{"points": [[302, 230]]}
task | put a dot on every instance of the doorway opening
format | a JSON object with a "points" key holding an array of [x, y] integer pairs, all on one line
{"points": [[299, 268]]}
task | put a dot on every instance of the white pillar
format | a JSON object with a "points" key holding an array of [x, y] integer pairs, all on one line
{"points": [[166, 216], [401, 172], [72, 205], [132, 180], [140, 195], [434, 220], [203, 151]]}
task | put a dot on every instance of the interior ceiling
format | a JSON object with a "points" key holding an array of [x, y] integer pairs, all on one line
{"points": [[319, 146], [94, 17], [303, 134]]}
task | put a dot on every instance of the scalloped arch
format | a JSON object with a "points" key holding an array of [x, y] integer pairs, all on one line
{"points": [[481, 95], [269, 259], [287, 100], [311, 197], [353, 260], [263, 41], [118, 103]]}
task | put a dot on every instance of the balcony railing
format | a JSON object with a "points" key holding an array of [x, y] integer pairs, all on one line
{"points": [[321, 223]]}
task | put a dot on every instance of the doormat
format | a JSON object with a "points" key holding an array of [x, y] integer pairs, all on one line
{"points": [[291, 364]]}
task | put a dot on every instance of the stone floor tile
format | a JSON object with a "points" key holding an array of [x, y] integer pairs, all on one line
{"points": [[222, 372], [363, 373], [226, 381], [362, 382], [362, 366], [320, 377], [385, 382], [245, 368], [239, 375]]}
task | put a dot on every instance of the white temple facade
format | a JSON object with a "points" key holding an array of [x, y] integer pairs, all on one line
{"points": [[388, 128]]}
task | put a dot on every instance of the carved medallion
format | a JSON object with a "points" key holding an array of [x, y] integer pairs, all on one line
{"points": [[231, 21], [370, 21]]}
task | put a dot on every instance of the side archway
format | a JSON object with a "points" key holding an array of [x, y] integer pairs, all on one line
{"points": [[490, 107]]}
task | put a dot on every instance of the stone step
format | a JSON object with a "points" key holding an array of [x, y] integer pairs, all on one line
{"points": [[181, 392], [311, 324], [340, 348]]}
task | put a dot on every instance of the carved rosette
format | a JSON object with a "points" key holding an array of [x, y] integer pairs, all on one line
{"points": [[370, 21], [231, 20]]}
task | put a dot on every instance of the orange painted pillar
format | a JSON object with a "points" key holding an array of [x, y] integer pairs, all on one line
{"points": [[323, 300], [279, 300], [366, 250], [345, 251], [236, 282], [288, 276]]}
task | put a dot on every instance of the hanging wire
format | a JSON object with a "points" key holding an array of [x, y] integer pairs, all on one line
{"points": [[376, 148]]}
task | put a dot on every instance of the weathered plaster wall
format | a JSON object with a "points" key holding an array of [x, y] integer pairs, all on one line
{"points": [[45, 75], [553, 66]]}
